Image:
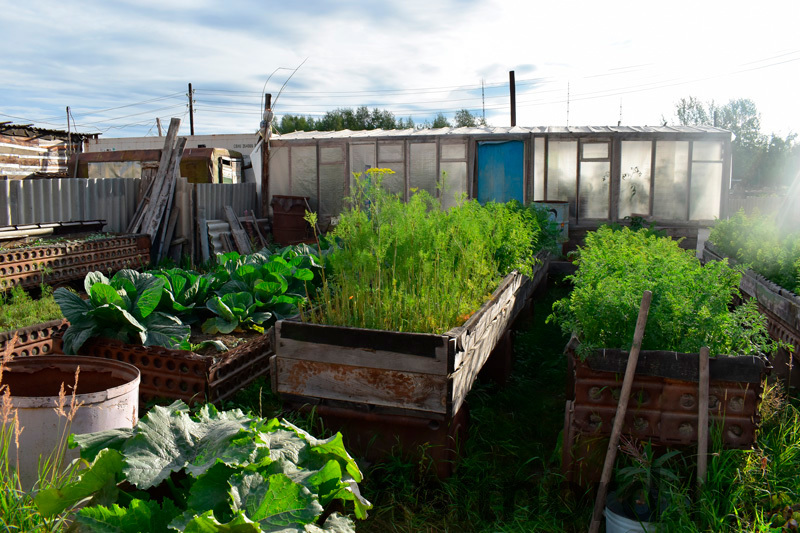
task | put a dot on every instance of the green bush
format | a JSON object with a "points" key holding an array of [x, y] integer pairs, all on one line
{"points": [[690, 301], [757, 242]]}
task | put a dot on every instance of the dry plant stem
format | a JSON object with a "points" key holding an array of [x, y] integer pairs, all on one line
{"points": [[702, 419], [622, 407]]}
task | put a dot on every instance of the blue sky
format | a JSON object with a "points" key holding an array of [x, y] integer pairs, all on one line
{"points": [[120, 64]]}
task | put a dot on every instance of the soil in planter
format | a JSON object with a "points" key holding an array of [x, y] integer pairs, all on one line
{"points": [[231, 341], [47, 382]]}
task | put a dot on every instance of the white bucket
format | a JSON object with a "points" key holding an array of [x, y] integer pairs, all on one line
{"points": [[108, 391], [619, 524]]}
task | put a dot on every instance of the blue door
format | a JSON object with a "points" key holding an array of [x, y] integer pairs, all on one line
{"points": [[501, 171]]}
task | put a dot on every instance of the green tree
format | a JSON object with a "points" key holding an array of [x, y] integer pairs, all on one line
{"points": [[440, 121], [759, 160]]}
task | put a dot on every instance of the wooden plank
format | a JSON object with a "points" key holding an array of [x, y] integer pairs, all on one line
{"points": [[359, 357], [166, 242], [420, 344], [156, 184], [205, 254], [237, 232], [388, 388], [159, 202]]}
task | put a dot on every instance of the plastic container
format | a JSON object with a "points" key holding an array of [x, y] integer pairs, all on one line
{"points": [[107, 392]]}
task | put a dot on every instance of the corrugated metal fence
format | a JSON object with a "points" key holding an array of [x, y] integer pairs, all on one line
{"points": [[64, 200], [114, 200], [213, 197]]}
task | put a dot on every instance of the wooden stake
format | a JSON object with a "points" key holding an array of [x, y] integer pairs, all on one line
{"points": [[702, 419], [622, 408]]}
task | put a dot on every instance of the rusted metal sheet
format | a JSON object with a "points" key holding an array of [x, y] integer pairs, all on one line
{"points": [[64, 200], [424, 374], [68, 261], [663, 402], [38, 339], [184, 375]]}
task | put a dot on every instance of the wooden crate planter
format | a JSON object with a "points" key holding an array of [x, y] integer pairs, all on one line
{"points": [[69, 261], [663, 402], [184, 375], [394, 374], [780, 306], [38, 339]]}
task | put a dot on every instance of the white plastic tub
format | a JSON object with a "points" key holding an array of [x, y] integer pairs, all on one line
{"points": [[107, 392]]}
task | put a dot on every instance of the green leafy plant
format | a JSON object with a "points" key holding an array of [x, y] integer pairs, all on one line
{"points": [[123, 308], [236, 311], [757, 242], [212, 471], [184, 292], [690, 301], [412, 266], [642, 486], [18, 309]]}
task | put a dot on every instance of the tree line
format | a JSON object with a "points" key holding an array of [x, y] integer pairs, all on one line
{"points": [[362, 118]]}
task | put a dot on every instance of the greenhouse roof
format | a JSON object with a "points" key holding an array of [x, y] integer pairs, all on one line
{"points": [[583, 130]]}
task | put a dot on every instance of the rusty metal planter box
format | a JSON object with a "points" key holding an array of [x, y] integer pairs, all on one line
{"points": [[780, 306], [38, 339], [663, 402], [71, 260], [412, 374], [184, 375]]}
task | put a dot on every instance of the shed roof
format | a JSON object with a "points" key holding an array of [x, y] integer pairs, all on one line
{"points": [[485, 130]]}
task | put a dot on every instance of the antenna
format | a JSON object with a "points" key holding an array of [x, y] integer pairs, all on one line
{"points": [[483, 102]]}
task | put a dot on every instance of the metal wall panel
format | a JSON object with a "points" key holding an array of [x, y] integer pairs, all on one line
{"points": [[213, 197], [66, 200]]}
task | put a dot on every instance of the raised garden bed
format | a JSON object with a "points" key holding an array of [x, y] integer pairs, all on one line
{"points": [[38, 339], [781, 306], [407, 379], [71, 260], [663, 405], [185, 375]]}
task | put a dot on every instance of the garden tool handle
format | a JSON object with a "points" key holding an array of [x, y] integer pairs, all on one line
{"points": [[622, 407]]}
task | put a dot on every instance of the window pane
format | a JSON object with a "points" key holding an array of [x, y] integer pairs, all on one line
{"points": [[634, 186], [454, 183], [390, 152], [304, 173], [594, 190], [395, 183], [671, 180], [707, 151], [362, 157], [331, 188], [562, 172], [423, 167], [454, 151], [538, 169], [595, 150], [705, 194]]}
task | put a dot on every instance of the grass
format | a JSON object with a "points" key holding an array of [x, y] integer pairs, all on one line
{"points": [[18, 511], [18, 309]]}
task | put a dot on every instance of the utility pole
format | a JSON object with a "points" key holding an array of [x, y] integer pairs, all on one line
{"points": [[69, 138], [568, 104], [512, 87], [158, 123], [191, 110], [266, 128]]}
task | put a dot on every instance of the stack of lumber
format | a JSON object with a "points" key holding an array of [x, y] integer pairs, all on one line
{"points": [[155, 215]]}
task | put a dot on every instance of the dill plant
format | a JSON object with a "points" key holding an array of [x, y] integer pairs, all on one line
{"points": [[412, 266]]}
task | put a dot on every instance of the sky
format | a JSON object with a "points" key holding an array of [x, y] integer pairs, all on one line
{"points": [[119, 64]]}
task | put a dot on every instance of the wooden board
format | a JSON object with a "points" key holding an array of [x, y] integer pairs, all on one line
{"points": [[238, 233], [389, 388]]}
